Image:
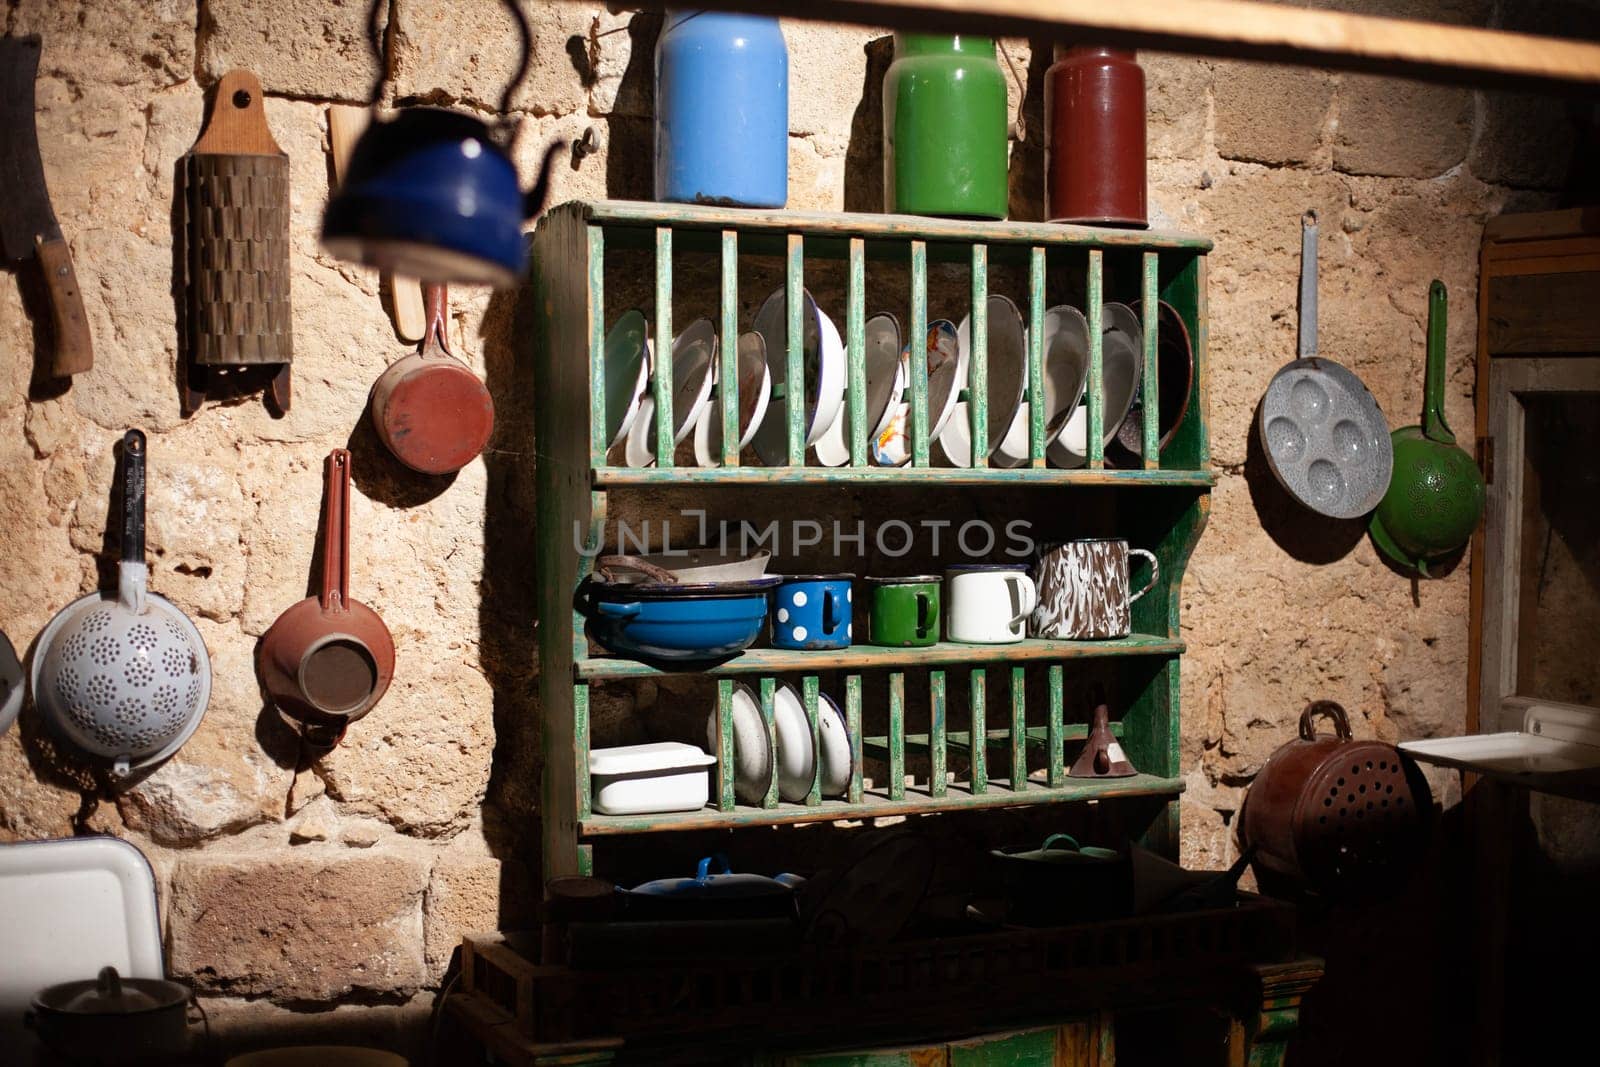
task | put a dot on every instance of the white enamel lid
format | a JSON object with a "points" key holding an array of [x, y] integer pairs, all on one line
{"points": [[656, 756], [69, 908]]}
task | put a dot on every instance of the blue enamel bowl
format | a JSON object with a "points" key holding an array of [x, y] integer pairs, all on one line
{"points": [[675, 623]]}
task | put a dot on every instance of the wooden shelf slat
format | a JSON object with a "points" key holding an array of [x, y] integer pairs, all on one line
{"points": [[696, 477], [876, 804], [961, 740], [645, 213], [869, 657]]}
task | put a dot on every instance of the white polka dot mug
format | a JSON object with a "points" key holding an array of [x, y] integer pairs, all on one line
{"points": [[811, 612]]}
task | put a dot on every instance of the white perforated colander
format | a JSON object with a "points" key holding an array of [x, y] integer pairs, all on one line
{"points": [[124, 677]]}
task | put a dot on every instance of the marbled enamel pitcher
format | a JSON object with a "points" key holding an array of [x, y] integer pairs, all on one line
{"points": [[1084, 590]]}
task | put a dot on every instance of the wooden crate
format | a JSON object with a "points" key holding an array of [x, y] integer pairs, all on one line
{"points": [[910, 989]]}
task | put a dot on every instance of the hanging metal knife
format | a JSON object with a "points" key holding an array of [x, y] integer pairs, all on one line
{"points": [[28, 228]]}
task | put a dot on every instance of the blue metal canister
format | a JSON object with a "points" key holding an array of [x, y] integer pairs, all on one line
{"points": [[722, 110]]}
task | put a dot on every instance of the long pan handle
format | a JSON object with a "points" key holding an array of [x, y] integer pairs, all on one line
{"points": [[1308, 284], [436, 298], [1434, 428], [133, 467], [336, 534]]}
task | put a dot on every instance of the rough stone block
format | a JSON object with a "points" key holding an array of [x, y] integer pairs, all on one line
{"points": [[307, 48], [99, 44], [1401, 129], [1176, 94], [450, 53], [421, 760], [195, 511], [314, 924], [1268, 114], [827, 77], [1523, 140], [473, 893]]}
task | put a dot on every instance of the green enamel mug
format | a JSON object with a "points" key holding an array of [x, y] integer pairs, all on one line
{"points": [[904, 611]]}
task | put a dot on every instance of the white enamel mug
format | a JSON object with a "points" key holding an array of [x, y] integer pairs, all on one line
{"points": [[988, 603]]}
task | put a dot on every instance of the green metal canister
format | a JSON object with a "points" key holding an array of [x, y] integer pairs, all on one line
{"points": [[944, 127]]}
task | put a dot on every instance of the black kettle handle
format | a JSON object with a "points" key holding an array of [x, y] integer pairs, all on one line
{"points": [[1328, 710]]}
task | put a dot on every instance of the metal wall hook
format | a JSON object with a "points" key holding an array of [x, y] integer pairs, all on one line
{"points": [[508, 125]]}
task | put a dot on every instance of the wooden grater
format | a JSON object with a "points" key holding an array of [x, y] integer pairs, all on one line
{"points": [[236, 255]]}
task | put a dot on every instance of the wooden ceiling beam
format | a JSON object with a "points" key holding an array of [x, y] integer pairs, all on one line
{"points": [[1243, 29]]}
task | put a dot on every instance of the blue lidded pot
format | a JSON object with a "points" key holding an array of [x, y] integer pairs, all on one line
{"points": [[722, 110], [811, 612]]}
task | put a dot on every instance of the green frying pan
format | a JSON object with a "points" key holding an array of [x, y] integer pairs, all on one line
{"points": [[1435, 496]]}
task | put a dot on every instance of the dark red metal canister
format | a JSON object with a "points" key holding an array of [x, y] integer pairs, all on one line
{"points": [[1094, 137]]}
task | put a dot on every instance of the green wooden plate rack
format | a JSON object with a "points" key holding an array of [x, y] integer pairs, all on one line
{"points": [[1169, 499]]}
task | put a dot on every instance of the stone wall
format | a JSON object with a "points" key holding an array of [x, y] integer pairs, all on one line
{"points": [[288, 887]]}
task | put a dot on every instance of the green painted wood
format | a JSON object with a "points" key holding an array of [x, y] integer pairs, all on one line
{"points": [[856, 349], [867, 657], [724, 753], [1036, 310], [728, 347], [580, 750], [661, 373], [560, 280], [937, 764], [618, 477], [1097, 377], [919, 355], [1150, 431], [852, 720], [1182, 282], [594, 525], [809, 690], [769, 695], [921, 1056], [979, 753], [597, 345], [585, 860], [897, 735], [961, 740], [978, 358], [646, 213], [877, 805], [1026, 1048], [1019, 727], [795, 379], [1055, 758]]}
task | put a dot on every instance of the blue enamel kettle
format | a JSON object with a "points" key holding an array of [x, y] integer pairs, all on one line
{"points": [[434, 194]]}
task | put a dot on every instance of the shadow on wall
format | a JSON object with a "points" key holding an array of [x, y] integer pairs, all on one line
{"points": [[1025, 202], [507, 622], [630, 175], [863, 158]]}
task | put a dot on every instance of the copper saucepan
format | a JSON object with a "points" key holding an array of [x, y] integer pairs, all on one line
{"points": [[429, 408], [328, 660]]}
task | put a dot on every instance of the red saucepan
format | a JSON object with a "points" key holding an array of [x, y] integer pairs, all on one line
{"points": [[429, 408], [328, 660]]}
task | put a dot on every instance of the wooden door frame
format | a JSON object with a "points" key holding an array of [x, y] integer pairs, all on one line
{"points": [[1548, 242]]}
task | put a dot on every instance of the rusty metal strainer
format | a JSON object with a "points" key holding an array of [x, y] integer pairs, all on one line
{"points": [[1337, 815]]}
